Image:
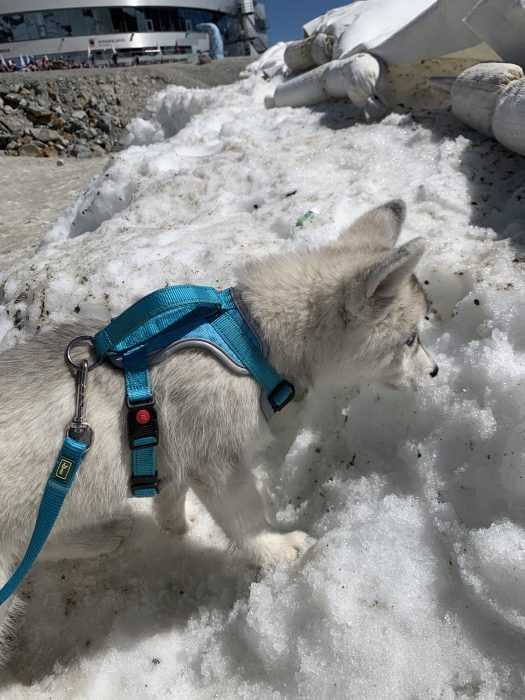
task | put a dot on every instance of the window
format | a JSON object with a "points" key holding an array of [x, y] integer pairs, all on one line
{"points": [[49, 24], [123, 19]]}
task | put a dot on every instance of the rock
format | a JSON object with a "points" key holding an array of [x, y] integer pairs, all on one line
{"points": [[45, 135], [81, 151], [79, 114], [12, 99], [105, 123], [31, 150], [58, 122], [38, 114], [98, 150], [49, 151], [74, 125], [60, 163], [15, 122], [5, 139]]}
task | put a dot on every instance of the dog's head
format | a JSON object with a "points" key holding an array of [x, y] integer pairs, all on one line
{"points": [[349, 311], [383, 301]]}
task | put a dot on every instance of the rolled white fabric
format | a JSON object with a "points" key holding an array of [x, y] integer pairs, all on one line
{"points": [[357, 78], [476, 93], [303, 55], [306, 89], [508, 124]]}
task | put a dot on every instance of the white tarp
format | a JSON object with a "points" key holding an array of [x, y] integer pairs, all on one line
{"points": [[501, 24], [402, 31]]}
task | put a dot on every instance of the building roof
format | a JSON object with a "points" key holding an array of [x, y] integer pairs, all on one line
{"points": [[17, 6]]}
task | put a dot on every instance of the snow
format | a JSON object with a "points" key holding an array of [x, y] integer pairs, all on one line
{"points": [[415, 587]]}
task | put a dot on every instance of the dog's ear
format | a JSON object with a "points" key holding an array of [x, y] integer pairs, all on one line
{"points": [[382, 224], [384, 279]]}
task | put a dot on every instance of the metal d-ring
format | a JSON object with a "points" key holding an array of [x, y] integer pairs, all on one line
{"points": [[77, 342]]}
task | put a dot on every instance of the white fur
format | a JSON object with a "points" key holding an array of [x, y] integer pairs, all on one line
{"points": [[319, 313]]}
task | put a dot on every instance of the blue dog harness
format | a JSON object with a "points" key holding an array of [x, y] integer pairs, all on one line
{"points": [[161, 323]]}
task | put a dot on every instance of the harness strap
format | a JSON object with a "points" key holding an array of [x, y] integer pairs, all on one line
{"points": [[155, 313], [232, 327], [155, 323], [142, 424], [57, 487]]}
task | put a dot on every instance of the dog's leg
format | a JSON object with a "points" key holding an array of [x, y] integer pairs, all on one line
{"points": [[169, 508], [8, 611], [239, 509]]}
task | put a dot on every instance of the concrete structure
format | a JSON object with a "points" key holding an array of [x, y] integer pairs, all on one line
{"points": [[81, 28]]}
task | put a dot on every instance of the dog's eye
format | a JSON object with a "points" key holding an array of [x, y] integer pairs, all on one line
{"points": [[411, 340]]}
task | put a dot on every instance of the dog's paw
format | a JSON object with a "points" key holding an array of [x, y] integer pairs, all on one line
{"points": [[175, 526], [273, 548]]}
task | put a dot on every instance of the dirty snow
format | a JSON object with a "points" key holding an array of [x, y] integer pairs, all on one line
{"points": [[416, 586]]}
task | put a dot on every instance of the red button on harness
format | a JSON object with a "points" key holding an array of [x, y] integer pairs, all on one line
{"points": [[143, 428], [143, 417]]}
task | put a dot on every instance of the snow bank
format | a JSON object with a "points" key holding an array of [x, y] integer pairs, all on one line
{"points": [[415, 586]]}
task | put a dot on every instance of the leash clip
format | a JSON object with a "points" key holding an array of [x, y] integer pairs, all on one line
{"points": [[79, 429]]}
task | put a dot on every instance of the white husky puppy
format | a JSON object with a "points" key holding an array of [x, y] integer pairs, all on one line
{"points": [[352, 307]]}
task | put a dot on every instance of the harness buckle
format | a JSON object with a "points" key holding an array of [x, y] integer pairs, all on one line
{"points": [[148, 481], [281, 396], [143, 426]]}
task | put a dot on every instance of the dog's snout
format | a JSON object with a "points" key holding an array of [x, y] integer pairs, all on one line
{"points": [[435, 372]]}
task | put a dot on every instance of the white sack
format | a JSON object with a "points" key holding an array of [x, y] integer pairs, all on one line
{"points": [[501, 24], [476, 93], [508, 124], [306, 89], [399, 31], [356, 78], [308, 53]]}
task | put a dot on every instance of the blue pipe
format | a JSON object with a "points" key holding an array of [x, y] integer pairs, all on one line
{"points": [[216, 40]]}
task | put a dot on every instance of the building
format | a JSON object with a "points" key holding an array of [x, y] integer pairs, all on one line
{"points": [[79, 28]]}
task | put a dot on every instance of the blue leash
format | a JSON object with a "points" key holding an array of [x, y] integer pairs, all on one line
{"points": [[57, 487], [185, 315], [70, 457]]}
